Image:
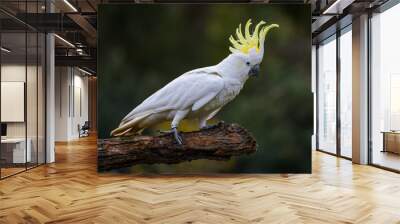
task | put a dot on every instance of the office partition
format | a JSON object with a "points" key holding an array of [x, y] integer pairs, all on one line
{"points": [[22, 101]]}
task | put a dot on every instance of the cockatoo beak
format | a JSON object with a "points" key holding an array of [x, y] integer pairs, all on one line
{"points": [[254, 70]]}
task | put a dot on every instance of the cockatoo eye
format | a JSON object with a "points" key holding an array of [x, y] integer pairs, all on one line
{"points": [[248, 63]]}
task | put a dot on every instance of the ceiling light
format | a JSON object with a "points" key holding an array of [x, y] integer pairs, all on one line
{"points": [[5, 50], [80, 51], [326, 11], [84, 71], [337, 7], [333, 6], [70, 5], [65, 41]]}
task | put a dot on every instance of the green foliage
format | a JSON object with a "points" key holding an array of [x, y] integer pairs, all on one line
{"points": [[143, 47]]}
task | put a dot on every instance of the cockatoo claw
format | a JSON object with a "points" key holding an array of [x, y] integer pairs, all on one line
{"points": [[209, 126], [177, 136]]}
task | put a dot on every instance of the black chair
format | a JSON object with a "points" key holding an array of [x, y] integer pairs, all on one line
{"points": [[84, 130]]}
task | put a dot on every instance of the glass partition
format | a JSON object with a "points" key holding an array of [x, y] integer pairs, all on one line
{"points": [[22, 101], [327, 95], [14, 145]]}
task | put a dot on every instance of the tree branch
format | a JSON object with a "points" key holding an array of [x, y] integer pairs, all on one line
{"points": [[216, 143]]}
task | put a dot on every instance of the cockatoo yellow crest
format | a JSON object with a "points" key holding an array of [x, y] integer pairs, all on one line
{"points": [[248, 41]]}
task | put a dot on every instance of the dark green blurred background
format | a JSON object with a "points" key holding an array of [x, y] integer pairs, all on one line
{"points": [[143, 47]]}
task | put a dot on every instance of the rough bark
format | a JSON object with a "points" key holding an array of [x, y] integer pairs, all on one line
{"points": [[216, 143]]}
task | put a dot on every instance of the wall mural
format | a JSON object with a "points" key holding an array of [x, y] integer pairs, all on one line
{"points": [[204, 88]]}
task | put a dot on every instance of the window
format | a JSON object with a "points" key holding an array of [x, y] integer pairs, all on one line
{"points": [[327, 95], [345, 92], [385, 89]]}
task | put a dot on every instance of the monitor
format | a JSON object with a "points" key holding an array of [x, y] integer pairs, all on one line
{"points": [[3, 129]]}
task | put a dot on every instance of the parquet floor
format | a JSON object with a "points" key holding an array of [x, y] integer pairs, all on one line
{"points": [[10, 171], [71, 191]]}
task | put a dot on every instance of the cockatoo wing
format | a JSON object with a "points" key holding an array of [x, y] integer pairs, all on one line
{"points": [[191, 90]]}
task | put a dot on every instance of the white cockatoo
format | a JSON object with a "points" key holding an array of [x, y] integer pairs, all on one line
{"points": [[201, 93]]}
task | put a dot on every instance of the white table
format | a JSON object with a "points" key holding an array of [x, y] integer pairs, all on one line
{"points": [[19, 155]]}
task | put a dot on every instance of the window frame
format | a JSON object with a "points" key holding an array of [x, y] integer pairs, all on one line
{"points": [[339, 32]]}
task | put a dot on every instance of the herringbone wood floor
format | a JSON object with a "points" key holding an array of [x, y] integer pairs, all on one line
{"points": [[71, 191]]}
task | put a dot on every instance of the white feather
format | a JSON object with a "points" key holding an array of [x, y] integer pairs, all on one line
{"points": [[191, 90]]}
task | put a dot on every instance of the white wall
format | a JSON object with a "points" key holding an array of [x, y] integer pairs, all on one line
{"points": [[12, 73], [61, 103], [71, 102], [80, 111], [16, 73]]}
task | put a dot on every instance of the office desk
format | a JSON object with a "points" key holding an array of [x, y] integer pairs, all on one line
{"points": [[16, 147], [391, 141]]}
